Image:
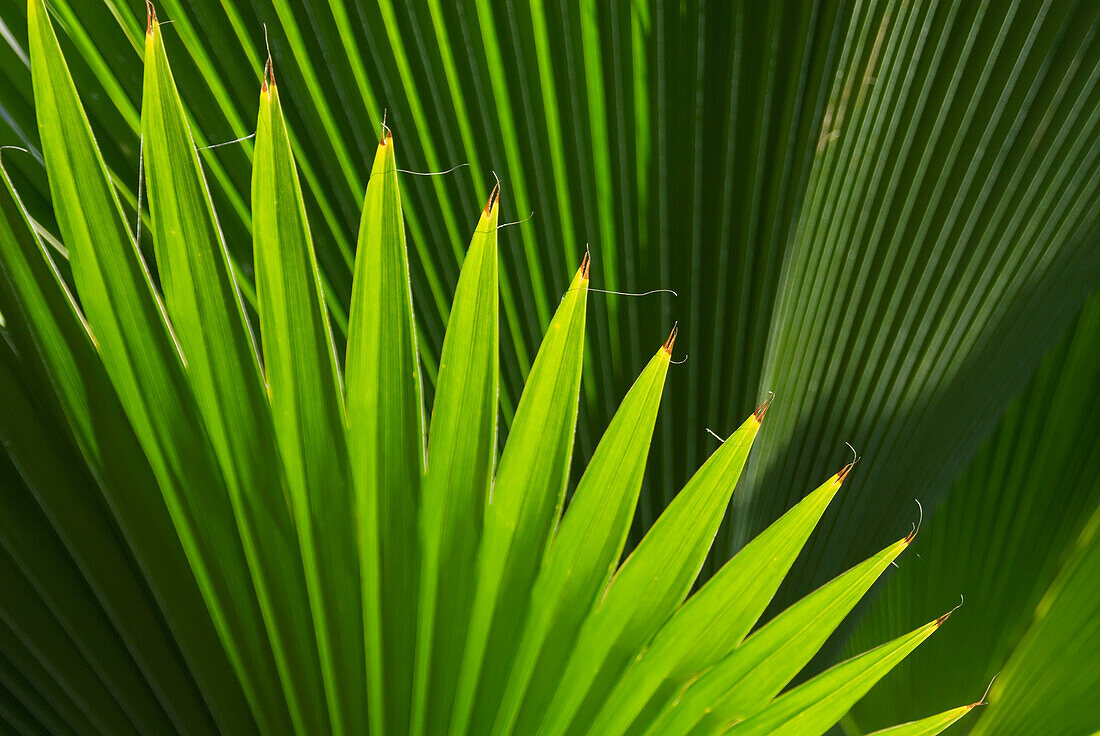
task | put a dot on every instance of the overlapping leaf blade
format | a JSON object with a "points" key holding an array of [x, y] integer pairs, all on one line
{"points": [[208, 321], [970, 128], [815, 706], [1049, 680], [1014, 515], [308, 406], [143, 362], [55, 348], [524, 506], [768, 93], [714, 620], [750, 676], [648, 587], [45, 594], [584, 552], [942, 246]]}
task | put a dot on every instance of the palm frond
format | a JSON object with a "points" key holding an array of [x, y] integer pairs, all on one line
{"points": [[880, 212]]}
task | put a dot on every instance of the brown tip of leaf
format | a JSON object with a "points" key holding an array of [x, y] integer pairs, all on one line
{"points": [[585, 264], [944, 617], [916, 527], [844, 472], [494, 196], [150, 17], [269, 75], [763, 408], [667, 347]]}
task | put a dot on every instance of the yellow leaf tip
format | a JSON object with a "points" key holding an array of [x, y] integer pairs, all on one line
{"points": [[667, 347], [763, 408]]}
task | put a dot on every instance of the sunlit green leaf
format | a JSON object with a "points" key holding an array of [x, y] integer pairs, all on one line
{"points": [[386, 441], [523, 509], [928, 726], [715, 620], [584, 551], [308, 406], [461, 457], [208, 321], [648, 587], [146, 369], [815, 706], [750, 676]]}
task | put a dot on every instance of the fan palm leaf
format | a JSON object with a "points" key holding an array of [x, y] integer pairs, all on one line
{"points": [[879, 211], [282, 517]]}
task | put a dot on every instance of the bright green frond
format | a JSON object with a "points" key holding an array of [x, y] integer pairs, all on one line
{"points": [[386, 443], [461, 457]]}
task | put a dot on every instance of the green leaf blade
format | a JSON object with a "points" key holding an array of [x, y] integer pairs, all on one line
{"points": [[815, 706], [51, 328], [717, 618], [307, 404], [208, 317], [583, 553], [527, 495], [1033, 695], [141, 357], [97, 625], [928, 726], [749, 677], [648, 587], [461, 452], [386, 443]]}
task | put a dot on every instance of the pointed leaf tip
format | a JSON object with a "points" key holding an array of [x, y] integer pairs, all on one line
{"points": [[269, 75], [150, 17], [944, 617], [763, 409], [494, 197], [585, 262], [844, 472], [916, 527], [667, 347], [387, 134]]}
